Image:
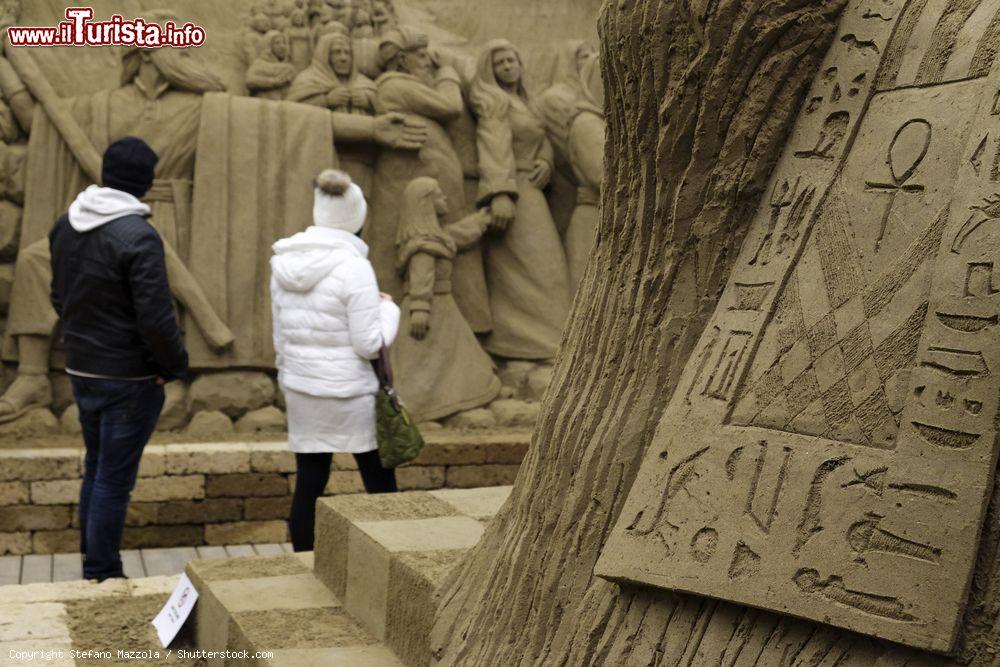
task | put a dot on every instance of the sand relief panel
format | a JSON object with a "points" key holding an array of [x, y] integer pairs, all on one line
{"points": [[832, 440]]}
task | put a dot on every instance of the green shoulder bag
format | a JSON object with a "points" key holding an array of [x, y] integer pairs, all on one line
{"points": [[399, 441]]}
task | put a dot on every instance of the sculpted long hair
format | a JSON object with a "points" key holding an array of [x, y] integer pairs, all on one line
{"points": [[558, 107], [419, 227], [565, 69], [487, 98]]}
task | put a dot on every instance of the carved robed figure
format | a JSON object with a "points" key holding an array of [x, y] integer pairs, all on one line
{"points": [[439, 366], [211, 146], [414, 86], [525, 264], [333, 81]]}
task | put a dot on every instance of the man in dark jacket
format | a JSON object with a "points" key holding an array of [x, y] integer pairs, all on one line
{"points": [[120, 333]]}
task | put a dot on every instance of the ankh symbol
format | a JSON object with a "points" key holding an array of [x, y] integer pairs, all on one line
{"points": [[899, 180]]}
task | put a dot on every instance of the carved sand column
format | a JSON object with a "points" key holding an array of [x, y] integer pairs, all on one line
{"points": [[829, 452]]}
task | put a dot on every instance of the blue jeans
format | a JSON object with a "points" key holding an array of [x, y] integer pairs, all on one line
{"points": [[118, 417]]}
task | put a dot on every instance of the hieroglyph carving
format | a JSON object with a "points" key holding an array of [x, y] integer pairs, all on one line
{"points": [[831, 443]]}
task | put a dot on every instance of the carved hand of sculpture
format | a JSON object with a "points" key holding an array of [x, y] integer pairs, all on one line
{"points": [[484, 219], [420, 324], [338, 97], [540, 174], [5, 23], [435, 55], [359, 99], [396, 130], [503, 211]]}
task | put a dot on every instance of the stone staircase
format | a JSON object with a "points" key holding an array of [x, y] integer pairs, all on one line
{"points": [[367, 596]]}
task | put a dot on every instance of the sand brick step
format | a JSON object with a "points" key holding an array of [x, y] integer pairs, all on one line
{"points": [[385, 556], [276, 604]]}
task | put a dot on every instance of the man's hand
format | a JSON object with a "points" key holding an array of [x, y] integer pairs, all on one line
{"points": [[540, 174], [503, 210], [383, 296], [338, 97], [396, 130], [360, 100], [420, 324]]}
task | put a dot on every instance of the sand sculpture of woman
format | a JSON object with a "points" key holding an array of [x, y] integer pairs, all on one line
{"points": [[439, 367], [300, 40], [525, 263], [271, 73], [576, 128], [566, 81], [571, 70], [332, 80]]}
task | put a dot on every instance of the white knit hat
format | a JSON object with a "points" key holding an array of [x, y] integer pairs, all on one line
{"points": [[339, 203]]}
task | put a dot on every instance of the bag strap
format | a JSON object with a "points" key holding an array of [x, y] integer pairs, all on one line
{"points": [[384, 368]]}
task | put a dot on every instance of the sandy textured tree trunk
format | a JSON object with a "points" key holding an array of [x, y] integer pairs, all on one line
{"points": [[701, 95]]}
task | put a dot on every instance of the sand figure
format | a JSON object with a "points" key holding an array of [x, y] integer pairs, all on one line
{"points": [[576, 128], [383, 17], [300, 40], [271, 73], [169, 100], [171, 103], [526, 266], [338, 11], [413, 85], [571, 63], [333, 81], [277, 12], [361, 19], [252, 37], [439, 365], [566, 82]]}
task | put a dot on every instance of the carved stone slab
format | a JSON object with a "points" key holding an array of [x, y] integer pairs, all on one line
{"points": [[831, 444]]}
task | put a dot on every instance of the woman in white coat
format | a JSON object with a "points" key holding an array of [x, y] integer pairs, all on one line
{"points": [[330, 321]]}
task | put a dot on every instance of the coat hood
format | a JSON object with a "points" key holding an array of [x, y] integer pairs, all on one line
{"points": [[97, 206], [302, 260]]}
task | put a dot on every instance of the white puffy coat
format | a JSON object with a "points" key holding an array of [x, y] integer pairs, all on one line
{"points": [[328, 319]]}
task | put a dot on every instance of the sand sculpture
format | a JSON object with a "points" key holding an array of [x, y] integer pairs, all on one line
{"points": [[412, 84], [271, 73], [332, 80], [777, 396], [575, 125], [525, 264], [439, 362], [831, 444], [337, 81]]}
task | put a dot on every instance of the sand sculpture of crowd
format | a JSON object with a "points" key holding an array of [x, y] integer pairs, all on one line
{"points": [[463, 232]]}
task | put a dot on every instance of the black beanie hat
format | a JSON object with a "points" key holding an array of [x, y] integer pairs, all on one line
{"points": [[128, 166]]}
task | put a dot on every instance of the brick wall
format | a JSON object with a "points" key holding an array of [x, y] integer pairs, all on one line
{"points": [[218, 493]]}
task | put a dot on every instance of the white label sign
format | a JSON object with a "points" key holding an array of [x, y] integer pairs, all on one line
{"points": [[171, 618]]}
